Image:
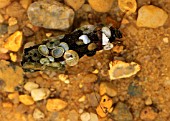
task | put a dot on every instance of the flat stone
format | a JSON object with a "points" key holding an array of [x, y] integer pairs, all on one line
{"points": [[38, 115], [128, 6], [151, 16], [108, 88], [148, 114], [15, 10], [122, 113], [4, 3], [26, 99], [9, 83], [50, 15], [14, 42], [40, 94], [54, 105], [3, 29], [101, 5], [85, 116], [75, 4], [93, 117], [29, 86]]}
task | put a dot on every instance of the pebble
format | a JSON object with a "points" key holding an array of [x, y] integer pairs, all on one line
{"points": [[1, 18], [90, 78], [135, 90], [86, 8], [13, 28], [128, 6], [26, 99], [13, 57], [14, 97], [151, 16], [29, 86], [107, 88], [93, 117], [3, 29], [73, 115], [15, 10], [93, 99], [166, 40], [9, 83], [4, 3], [40, 94], [120, 69], [105, 106], [14, 42], [52, 15], [25, 3], [54, 105], [38, 115], [148, 114], [12, 21], [27, 31], [101, 5], [7, 105], [82, 99], [122, 113], [148, 101], [75, 4], [4, 56], [85, 116]]}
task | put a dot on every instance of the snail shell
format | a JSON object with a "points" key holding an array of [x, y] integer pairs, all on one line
{"points": [[106, 31], [71, 57], [57, 52], [44, 61], [43, 50], [108, 46], [52, 44], [35, 55], [64, 45], [51, 58]]}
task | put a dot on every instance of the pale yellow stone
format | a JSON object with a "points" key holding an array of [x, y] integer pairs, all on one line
{"points": [[54, 105], [151, 16], [128, 6], [101, 5], [29, 86], [12, 21], [13, 57], [96, 71], [13, 95], [7, 105], [120, 69], [82, 99], [75, 4], [14, 42], [48, 34], [26, 99], [40, 94], [25, 3]]}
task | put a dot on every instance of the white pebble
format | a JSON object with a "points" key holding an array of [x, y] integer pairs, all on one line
{"points": [[85, 39], [93, 117], [37, 114], [30, 86], [105, 39], [40, 94], [85, 116], [106, 31]]}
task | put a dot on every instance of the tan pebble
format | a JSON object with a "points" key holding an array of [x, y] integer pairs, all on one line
{"points": [[13, 57], [75, 4], [25, 3], [93, 117], [38, 115], [101, 5], [26, 99], [148, 101], [82, 99], [1, 18], [30, 86], [7, 105], [3, 50], [85, 116], [118, 49], [107, 88], [12, 21], [90, 78], [151, 16], [14, 42], [120, 69], [48, 34], [166, 40], [40, 94], [86, 7], [105, 106], [4, 3], [128, 6], [63, 77], [124, 21], [54, 105], [13, 95], [96, 71], [148, 114]]}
